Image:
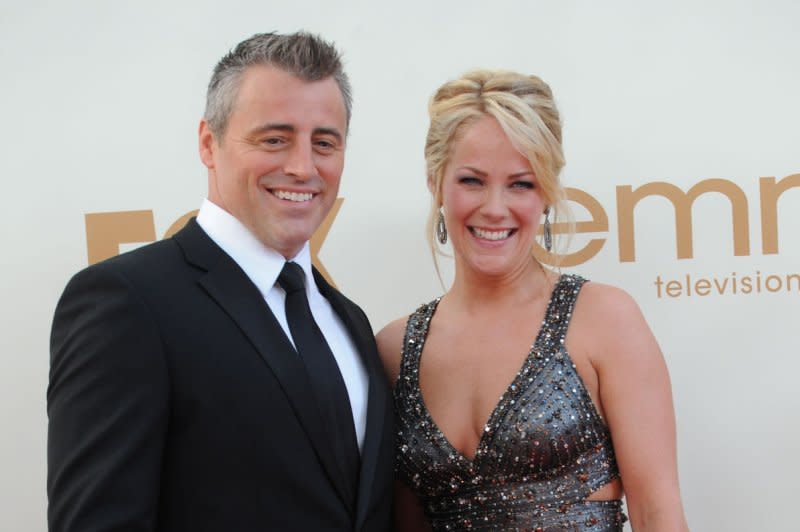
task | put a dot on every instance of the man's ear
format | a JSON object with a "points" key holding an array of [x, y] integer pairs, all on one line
{"points": [[206, 143]]}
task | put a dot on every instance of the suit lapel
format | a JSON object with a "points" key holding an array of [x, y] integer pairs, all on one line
{"points": [[377, 394], [233, 291]]}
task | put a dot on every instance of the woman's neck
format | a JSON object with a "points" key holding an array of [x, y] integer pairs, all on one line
{"points": [[480, 292]]}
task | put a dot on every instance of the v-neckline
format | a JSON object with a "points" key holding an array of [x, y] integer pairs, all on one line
{"points": [[512, 390]]}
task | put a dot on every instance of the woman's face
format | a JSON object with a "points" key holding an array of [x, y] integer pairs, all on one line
{"points": [[491, 199]]}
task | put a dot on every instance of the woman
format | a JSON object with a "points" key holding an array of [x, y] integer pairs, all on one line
{"points": [[585, 404]]}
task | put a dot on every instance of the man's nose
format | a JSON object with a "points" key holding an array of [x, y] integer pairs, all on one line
{"points": [[300, 161]]}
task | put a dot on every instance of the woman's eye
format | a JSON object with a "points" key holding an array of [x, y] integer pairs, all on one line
{"points": [[527, 185], [469, 180]]}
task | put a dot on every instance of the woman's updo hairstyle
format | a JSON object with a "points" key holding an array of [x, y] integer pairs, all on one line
{"points": [[523, 106]]}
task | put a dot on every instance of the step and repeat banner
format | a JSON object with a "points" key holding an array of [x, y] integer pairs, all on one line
{"points": [[681, 133]]}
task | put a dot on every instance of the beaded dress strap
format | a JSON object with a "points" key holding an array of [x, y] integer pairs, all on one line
{"points": [[565, 294], [414, 337]]}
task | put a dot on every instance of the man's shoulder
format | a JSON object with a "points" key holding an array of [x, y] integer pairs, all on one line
{"points": [[328, 289], [343, 298], [154, 256], [159, 255], [334, 293], [155, 266]]}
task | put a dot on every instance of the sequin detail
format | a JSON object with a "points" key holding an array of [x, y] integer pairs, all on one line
{"points": [[543, 451]]}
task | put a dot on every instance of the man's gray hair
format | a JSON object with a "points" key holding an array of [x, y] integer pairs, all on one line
{"points": [[301, 54]]}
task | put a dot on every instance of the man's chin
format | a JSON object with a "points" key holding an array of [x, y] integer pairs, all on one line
{"points": [[287, 244]]}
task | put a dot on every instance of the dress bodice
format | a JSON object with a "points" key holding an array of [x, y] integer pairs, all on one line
{"points": [[543, 450]]}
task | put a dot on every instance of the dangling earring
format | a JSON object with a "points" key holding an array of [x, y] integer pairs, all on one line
{"points": [[441, 229], [548, 234]]}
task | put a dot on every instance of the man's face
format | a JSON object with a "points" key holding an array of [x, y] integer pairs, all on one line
{"points": [[278, 165]]}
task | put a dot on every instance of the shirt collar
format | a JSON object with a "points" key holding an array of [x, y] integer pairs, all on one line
{"points": [[260, 263]]}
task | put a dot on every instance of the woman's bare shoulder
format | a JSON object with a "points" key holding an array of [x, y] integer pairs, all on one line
{"points": [[390, 346], [607, 305], [609, 321]]}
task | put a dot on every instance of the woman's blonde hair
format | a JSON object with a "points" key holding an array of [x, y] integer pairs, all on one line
{"points": [[524, 108]]}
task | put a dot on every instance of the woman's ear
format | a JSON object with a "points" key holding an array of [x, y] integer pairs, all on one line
{"points": [[431, 185]]}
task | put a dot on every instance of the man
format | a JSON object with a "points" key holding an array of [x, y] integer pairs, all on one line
{"points": [[214, 381]]}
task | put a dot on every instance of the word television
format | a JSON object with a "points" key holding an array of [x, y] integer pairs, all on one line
{"points": [[733, 284]]}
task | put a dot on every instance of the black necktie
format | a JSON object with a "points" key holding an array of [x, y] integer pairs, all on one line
{"points": [[323, 371]]}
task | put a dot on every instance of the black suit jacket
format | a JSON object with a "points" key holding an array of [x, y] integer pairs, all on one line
{"points": [[177, 403]]}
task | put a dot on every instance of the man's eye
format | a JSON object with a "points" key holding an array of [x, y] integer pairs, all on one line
{"points": [[274, 141], [325, 144]]}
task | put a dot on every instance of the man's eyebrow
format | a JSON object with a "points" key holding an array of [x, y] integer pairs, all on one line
{"points": [[288, 128], [270, 127]]}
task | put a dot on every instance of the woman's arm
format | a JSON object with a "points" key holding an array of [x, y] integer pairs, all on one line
{"points": [[635, 394], [408, 513], [390, 345]]}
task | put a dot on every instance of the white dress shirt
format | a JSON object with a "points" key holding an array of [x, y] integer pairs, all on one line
{"points": [[263, 265]]}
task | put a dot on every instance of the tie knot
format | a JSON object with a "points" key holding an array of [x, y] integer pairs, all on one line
{"points": [[291, 277]]}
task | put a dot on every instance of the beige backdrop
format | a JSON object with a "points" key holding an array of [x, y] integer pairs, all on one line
{"points": [[681, 135]]}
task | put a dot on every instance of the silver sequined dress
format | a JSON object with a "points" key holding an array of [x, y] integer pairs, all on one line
{"points": [[543, 451]]}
